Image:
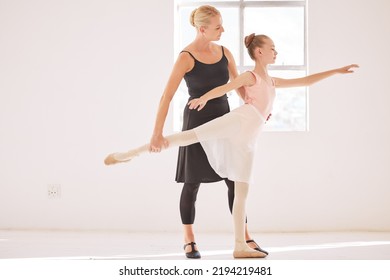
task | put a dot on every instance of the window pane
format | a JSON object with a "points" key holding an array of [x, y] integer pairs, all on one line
{"points": [[289, 111], [186, 32], [285, 25], [230, 38]]}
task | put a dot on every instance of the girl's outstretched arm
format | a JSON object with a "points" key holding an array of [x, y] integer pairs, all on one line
{"points": [[312, 79], [245, 79]]}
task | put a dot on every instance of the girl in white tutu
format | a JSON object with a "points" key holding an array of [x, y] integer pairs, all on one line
{"points": [[230, 140]]}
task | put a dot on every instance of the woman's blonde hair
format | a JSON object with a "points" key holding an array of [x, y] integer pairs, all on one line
{"points": [[201, 16], [254, 41]]}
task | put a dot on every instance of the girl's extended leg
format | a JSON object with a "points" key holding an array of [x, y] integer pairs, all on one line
{"points": [[183, 138], [241, 248]]}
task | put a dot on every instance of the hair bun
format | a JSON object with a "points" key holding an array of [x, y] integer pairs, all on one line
{"points": [[192, 17], [249, 40]]}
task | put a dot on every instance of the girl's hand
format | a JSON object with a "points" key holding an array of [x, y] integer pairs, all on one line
{"points": [[347, 69], [197, 103], [157, 143]]}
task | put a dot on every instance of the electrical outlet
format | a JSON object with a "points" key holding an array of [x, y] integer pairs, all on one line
{"points": [[54, 190]]}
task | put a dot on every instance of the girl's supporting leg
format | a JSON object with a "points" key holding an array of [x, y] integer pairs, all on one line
{"points": [[241, 248], [249, 240], [184, 138]]}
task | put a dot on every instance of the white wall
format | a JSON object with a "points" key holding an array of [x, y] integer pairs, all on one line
{"points": [[80, 79]]}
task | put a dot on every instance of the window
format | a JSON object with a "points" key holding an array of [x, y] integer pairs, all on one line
{"points": [[284, 22]]}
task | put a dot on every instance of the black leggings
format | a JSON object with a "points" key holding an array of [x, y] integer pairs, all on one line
{"points": [[188, 199]]}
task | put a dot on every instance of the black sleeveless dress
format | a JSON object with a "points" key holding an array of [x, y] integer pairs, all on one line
{"points": [[193, 165]]}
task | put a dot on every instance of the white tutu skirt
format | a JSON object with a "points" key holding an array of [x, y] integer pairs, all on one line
{"points": [[230, 142]]}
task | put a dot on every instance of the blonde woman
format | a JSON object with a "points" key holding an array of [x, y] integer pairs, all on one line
{"points": [[230, 140]]}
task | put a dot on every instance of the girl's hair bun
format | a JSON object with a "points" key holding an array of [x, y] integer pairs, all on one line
{"points": [[249, 40]]}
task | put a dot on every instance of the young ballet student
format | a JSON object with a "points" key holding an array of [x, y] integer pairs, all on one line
{"points": [[230, 140]]}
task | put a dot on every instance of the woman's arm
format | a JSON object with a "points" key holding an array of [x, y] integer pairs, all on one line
{"points": [[245, 79], [312, 79], [233, 73], [183, 64]]}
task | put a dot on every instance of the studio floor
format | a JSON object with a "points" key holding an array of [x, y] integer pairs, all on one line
{"points": [[168, 246]]}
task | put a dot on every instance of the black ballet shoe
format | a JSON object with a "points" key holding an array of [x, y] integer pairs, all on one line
{"points": [[257, 248], [194, 254]]}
